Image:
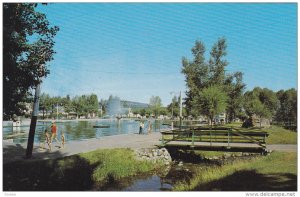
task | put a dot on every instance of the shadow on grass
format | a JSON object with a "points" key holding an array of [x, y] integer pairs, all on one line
{"points": [[71, 173], [250, 180]]}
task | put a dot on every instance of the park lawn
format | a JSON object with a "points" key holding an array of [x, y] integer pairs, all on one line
{"points": [[277, 135], [275, 172], [74, 173]]}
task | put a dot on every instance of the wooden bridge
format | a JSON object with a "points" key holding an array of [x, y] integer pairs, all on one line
{"points": [[200, 138]]}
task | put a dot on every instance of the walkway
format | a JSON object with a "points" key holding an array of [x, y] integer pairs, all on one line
{"points": [[12, 152]]}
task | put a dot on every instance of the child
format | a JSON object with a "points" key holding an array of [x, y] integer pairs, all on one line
{"points": [[47, 140], [62, 140], [54, 131]]}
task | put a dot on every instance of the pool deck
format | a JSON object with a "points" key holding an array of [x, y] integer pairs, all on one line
{"points": [[13, 152]]}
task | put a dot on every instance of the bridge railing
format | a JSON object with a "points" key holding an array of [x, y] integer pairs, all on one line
{"points": [[215, 135]]}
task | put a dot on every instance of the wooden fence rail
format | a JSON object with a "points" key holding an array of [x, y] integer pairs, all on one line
{"points": [[214, 136]]}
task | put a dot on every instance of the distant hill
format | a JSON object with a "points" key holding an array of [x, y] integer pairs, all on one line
{"points": [[134, 105]]}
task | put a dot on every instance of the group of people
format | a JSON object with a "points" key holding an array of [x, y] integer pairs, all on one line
{"points": [[49, 139], [142, 127]]}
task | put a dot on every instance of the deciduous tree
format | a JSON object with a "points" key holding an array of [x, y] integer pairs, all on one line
{"points": [[27, 48]]}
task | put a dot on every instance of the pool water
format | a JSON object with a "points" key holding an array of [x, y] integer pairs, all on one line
{"points": [[80, 130]]}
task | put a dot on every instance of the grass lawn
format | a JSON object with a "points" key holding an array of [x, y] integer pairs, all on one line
{"points": [[276, 172], [74, 173], [277, 135]]}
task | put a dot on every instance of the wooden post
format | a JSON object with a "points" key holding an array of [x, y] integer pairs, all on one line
{"points": [[210, 137], [200, 135], [193, 136], [228, 138]]}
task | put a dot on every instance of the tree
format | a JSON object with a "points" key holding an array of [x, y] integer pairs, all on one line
{"points": [[27, 45], [92, 104], [234, 87], [174, 107], [196, 75], [287, 106], [216, 63], [155, 105], [45, 103], [260, 102], [211, 101], [200, 75]]}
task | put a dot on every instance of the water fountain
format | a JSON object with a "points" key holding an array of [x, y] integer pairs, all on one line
{"points": [[114, 108]]}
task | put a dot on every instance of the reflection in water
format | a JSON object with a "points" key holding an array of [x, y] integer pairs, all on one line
{"points": [[80, 130], [152, 183]]}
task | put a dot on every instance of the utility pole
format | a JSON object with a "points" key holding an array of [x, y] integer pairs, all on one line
{"points": [[33, 122]]}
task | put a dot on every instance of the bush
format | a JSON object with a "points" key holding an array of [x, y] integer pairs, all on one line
{"points": [[247, 123]]}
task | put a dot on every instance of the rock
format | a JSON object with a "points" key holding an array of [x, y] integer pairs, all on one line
{"points": [[159, 152], [226, 155], [180, 163], [154, 154], [215, 158], [240, 154]]}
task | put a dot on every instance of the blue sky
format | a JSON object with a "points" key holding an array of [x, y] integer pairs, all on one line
{"points": [[134, 50]]}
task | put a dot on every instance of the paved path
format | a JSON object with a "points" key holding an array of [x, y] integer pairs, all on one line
{"points": [[12, 152], [283, 147]]}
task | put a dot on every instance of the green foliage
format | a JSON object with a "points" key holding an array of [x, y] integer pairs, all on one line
{"points": [[273, 164], [287, 109], [155, 105], [82, 105], [216, 63], [279, 135], [74, 173], [196, 75], [211, 101], [261, 102], [200, 75], [27, 47], [174, 107], [234, 87], [116, 164]]}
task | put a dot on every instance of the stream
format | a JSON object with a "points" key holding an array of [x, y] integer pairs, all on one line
{"points": [[165, 179]]}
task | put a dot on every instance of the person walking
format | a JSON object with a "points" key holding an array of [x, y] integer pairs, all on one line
{"points": [[62, 140], [54, 132], [141, 127], [149, 127], [47, 140]]}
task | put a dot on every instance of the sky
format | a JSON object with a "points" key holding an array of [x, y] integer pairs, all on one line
{"points": [[134, 50]]}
